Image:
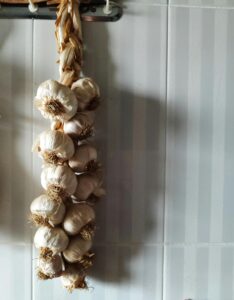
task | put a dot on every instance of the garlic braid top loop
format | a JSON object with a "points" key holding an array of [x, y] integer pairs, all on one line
{"points": [[69, 41]]}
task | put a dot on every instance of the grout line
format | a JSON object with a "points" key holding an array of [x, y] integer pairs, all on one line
{"points": [[178, 5], [168, 245], [165, 158], [200, 6]]}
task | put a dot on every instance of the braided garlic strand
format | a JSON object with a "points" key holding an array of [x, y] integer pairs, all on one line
{"points": [[71, 175]]}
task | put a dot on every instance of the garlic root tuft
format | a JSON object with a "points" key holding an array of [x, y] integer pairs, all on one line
{"points": [[39, 220], [46, 253], [87, 232], [86, 261], [42, 276], [52, 158], [56, 192], [53, 107]]}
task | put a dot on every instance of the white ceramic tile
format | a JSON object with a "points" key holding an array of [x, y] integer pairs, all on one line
{"points": [[120, 272], [130, 66], [200, 121], [204, 3], [15, 129], [199, 272], [15, 275]]}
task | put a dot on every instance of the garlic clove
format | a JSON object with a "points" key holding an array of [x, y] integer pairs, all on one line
{"points": [[56, 125], [54, 239], [47, 211], [73, 278], [88, 184], [48, 269], [58, 180], [78, 216], [56, 101], [76, 249], [84, 159], [55, 146], [87, 93], [81, 125]]}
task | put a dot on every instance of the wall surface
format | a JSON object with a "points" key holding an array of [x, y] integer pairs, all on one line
{"points": [[165, 136]]}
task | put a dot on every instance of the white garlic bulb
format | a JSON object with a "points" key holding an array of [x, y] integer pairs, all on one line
{"points": [[84, 159], [77, 216], [55, 146], [59, 178], [54, 239], [87, 185], [81, 125], [45, 210], [50, 268], [73, 278], [87, 93], [56, 101], [76, 249]]}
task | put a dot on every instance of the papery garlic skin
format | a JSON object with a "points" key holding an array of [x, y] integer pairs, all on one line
{"points": [[54, 239], [55, 146], [56, 101], [51, 268], [84, 155], [80, 126], [60, 176], [87, 93], [76, 249], [87, 185], [73, 278], [53, 210], [77, 216]]}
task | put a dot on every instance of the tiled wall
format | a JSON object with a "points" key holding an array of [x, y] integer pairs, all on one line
{"points": [[165, 136]]}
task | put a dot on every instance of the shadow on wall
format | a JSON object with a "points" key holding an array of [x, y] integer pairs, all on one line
{"points": [[15, 131], [131, 140]]}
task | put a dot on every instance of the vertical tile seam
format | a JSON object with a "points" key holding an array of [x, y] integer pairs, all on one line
{"points": [[32, 164], [165, 144]]}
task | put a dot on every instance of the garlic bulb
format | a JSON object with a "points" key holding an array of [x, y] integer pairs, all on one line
{"points": [[45, 210], [59, 180], [80, 126], [77, 216], [56, 101], [55, 146], [88, 185], [73, 278], [76, 249], [50, 268], [87, 93], [84, 159], [55, 239]]}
